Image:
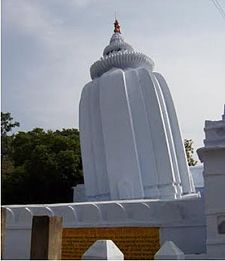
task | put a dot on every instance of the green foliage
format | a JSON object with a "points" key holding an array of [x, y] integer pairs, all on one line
{"points": [[7, 124], [6, 145], [188, 144], [46, 165]]}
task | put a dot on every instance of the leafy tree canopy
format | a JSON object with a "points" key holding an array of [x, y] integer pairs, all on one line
{"points": [[46, 165], [7, 123], [188, 144]]}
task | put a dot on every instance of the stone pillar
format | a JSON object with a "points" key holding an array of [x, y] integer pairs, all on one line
{"points": [[213, 157], [46, 239], [3, 227], [103, 250]]}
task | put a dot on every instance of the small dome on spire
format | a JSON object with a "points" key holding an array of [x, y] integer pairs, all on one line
{"points": [[116, 27], [119, 54], [117, 44]]}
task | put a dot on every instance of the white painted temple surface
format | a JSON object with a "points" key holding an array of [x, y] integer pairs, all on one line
{"points": [[130, 139], [213, 157]]}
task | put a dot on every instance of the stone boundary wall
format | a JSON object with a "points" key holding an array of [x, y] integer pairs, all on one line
{"points": [[178, 221]]}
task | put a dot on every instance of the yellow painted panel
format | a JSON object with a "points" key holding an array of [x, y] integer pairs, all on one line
{"points": [[134, 242]]}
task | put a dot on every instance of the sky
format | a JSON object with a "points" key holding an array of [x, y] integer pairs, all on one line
{"points": [[48, 47]]}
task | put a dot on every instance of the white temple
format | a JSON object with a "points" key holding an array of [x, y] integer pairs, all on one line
{"points": [[132, 149], [130, 139]]}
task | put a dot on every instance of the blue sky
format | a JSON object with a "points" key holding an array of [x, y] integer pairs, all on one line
{"points": [[48, 47]]}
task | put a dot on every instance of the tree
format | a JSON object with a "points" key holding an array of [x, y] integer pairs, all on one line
{"points": [[46, 165], [188, 144], [7, 123]]}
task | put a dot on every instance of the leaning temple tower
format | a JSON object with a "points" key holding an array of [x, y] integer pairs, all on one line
{"points": [[130, 139]]}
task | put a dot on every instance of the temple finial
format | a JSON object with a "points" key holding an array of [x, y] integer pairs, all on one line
{"points": [[116, 26]]}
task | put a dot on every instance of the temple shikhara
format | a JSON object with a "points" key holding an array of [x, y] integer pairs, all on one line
{"points": [[130, 139]]}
